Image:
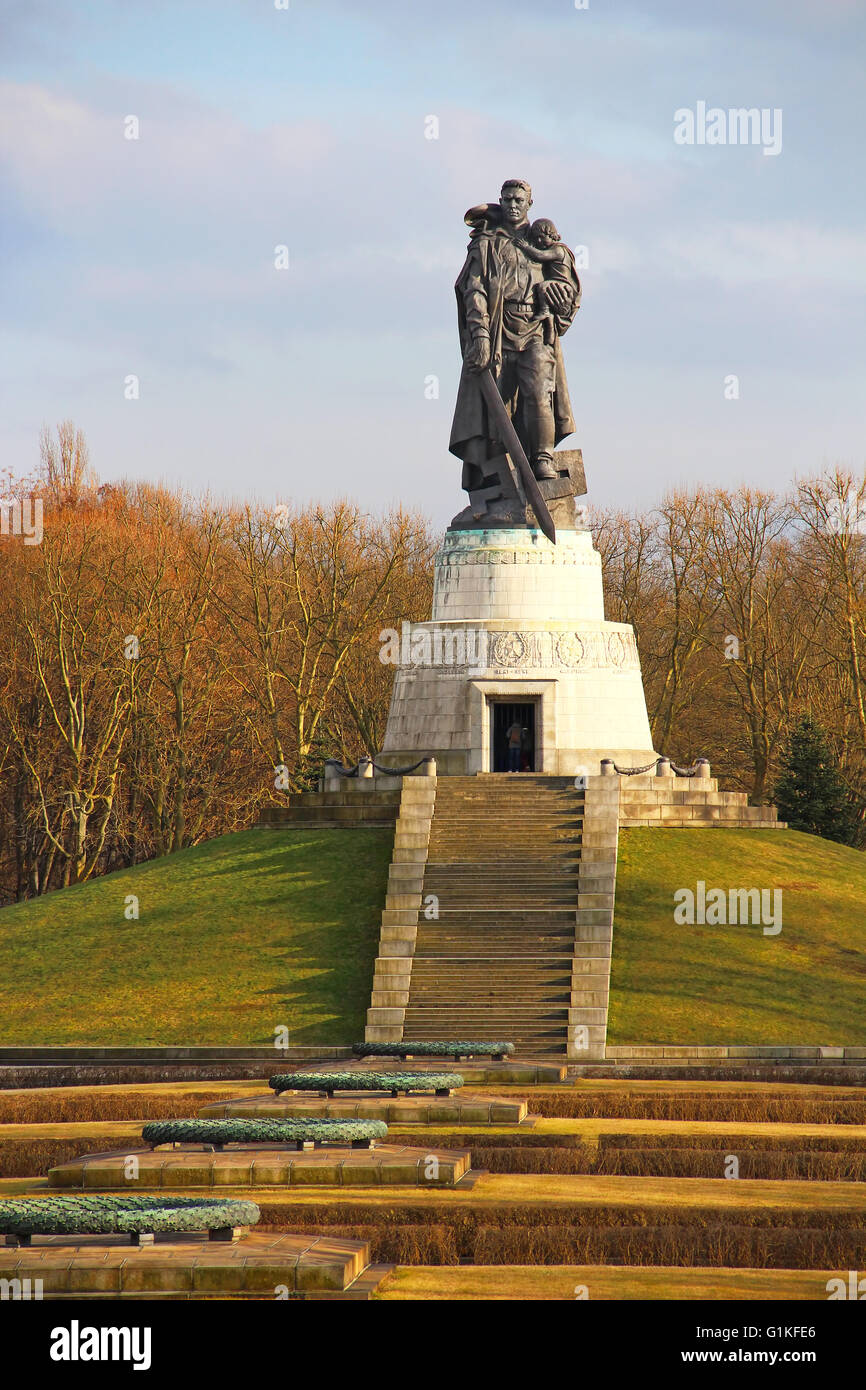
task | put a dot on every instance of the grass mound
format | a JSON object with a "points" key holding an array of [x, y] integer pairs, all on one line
{"points": [[235, 938], [724, 984]]}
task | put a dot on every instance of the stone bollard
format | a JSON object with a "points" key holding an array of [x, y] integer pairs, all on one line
{"points": [[703, 767], [428, 767], [663, 767], [365, 766], [332, 777], [608, 767]]}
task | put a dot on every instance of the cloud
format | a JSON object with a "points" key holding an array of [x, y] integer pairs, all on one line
{"points": [[156, 255], [738, 253]]}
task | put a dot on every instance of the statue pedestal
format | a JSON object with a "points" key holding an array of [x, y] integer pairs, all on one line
{"points": [[518, 621]]}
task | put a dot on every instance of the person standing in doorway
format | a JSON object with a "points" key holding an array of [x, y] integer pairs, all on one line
{"points": [[525, 751], [514, 735]]}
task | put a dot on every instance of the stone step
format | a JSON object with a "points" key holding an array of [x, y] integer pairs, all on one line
{"points": [[436, 1023], [494, 816], [530, 1005], [489, 845], [512, 813], [479, 838], [496, 840], [550, 950], [499, 929], [466, 881], [559, 888], [485, 907], [476, 961], [566, 854], [522, 896], [537, 1018], [524, 1034], [469, 944], [498, 784], [491, 959], [513, 816], [530, 957], [503, 886], [502, 821], [536, 1004], [503, 869], [556, 914], [516, 1022], [530, 781], [520, 995], [561, 877], [566, 866], [540, 801], [481, 849], [502, 829], [522, 988], [484, 975]]}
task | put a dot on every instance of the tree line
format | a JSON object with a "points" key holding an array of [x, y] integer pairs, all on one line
{"points": [[169, 665], [749, 610]]}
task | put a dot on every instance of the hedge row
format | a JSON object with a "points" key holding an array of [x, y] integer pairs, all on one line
{"points": [[434, 1049], [262, 1131], [110, 1215], [366, 1081]]}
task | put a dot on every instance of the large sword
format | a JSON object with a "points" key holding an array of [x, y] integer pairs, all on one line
{"points": [[508, 437]]}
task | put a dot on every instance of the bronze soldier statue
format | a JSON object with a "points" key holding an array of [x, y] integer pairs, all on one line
{"points": [[517, 293]]}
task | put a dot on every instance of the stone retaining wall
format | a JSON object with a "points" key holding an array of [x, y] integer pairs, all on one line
{"points": [[734, 1052], [399, 929]]}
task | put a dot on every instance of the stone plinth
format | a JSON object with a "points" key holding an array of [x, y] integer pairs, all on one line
{"points": [[516, 618], [186, 1266], [517, 574], [264, 1166], [408, 1110]]}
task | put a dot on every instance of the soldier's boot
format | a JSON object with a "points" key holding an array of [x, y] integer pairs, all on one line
{"points": [[542, 467]]}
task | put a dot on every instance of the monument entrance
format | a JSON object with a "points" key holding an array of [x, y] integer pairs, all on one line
{"points": [[512, 730]]}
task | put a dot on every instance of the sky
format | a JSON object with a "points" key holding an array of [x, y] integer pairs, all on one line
{"points": [[307, 128]]}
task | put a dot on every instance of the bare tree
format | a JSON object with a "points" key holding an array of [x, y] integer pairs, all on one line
{"points": [[65, 464]]}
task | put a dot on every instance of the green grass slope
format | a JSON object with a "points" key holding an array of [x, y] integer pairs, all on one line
{"points": [[732, 984], [266, 928], [235, 937]]}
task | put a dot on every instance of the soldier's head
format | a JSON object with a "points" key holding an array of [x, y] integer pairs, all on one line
{"points": [[543, 233], [515, 199]]}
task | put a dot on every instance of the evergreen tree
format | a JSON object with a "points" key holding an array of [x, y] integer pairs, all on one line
{"points": [[810, 793]]}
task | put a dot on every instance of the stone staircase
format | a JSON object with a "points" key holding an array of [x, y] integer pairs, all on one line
{"points": [[498, 922], [502, 875], [354, 805], [689, 803]]}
